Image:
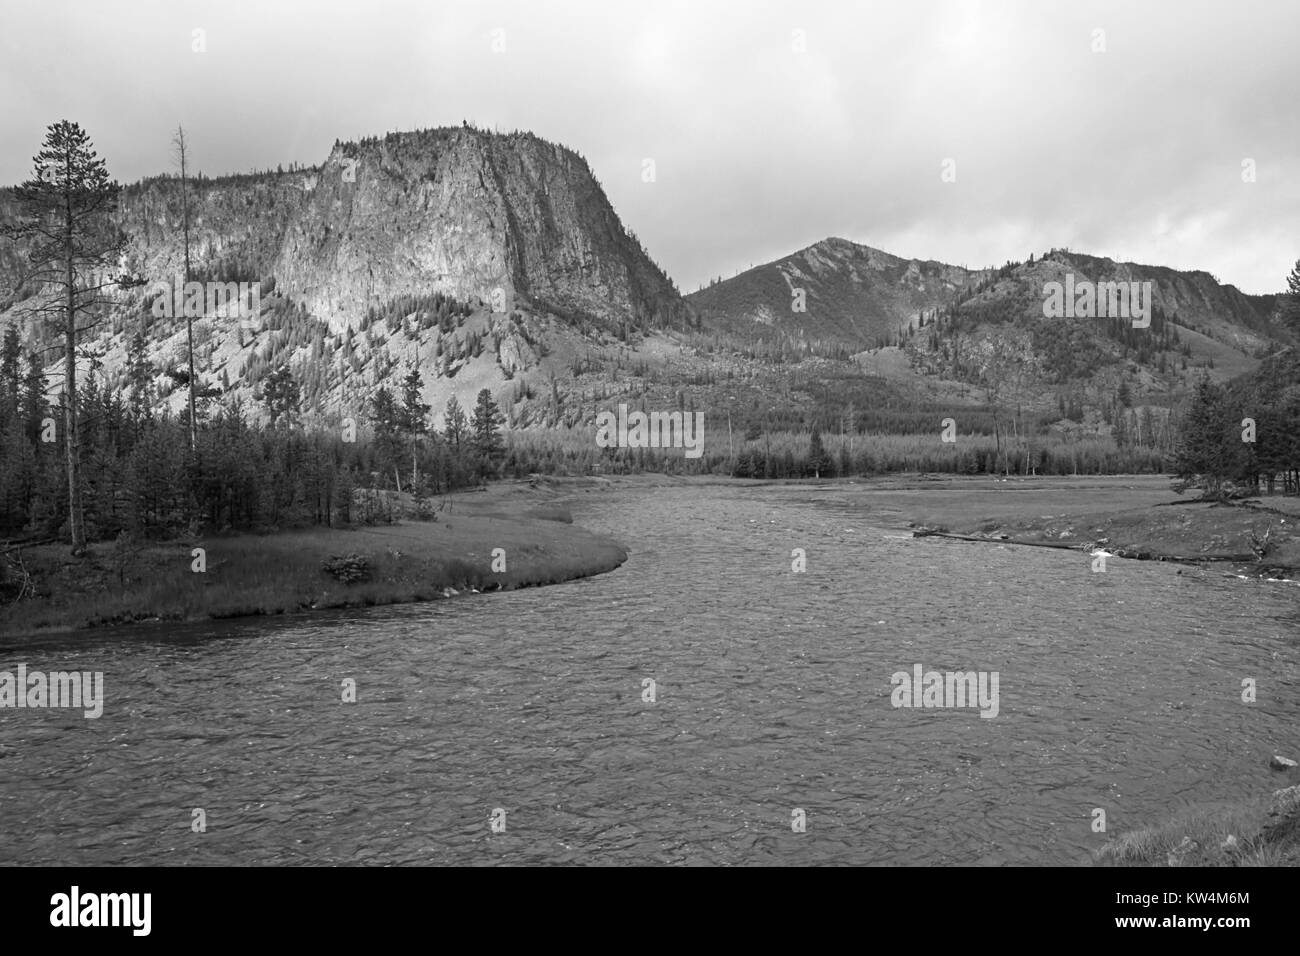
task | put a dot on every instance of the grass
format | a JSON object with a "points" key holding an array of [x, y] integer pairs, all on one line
{"points": [[280, 573], [1199, 837], [1198, 531]]}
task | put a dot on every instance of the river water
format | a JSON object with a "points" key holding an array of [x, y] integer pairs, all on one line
{"points": [[1119, 691]]}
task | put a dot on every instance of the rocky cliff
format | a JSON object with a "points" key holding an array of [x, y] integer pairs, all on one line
{"points": [[515, 231], [471, 214]]}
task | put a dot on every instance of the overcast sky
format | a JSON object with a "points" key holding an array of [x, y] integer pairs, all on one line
{"points": [[760, 147]]}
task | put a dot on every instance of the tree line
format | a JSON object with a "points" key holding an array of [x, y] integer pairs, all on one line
{"points": [[138, 473], [1245, 435]]}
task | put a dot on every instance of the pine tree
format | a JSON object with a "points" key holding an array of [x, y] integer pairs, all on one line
{"points": [[387, 420], [34, 406], [455, 425], [1291, 300], [415, 412], [486, 425], [140, 376], [384, 413], [281, 394], [1204, 450], [415, 418], [1120, 430], [12, 444], [63, 220], [10, 376], [818, 460]]}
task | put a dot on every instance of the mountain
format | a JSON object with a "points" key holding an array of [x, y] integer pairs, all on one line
{"points": [[957, 324], [495, 261], [852, 294], [1193, 300], [455, 210], [418, 246], [856, 295]]}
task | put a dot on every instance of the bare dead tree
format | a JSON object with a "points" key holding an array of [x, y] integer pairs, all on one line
{"points": [[180, 151]]}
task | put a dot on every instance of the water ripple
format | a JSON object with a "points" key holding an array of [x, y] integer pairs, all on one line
{"points": [[1119, 690]]}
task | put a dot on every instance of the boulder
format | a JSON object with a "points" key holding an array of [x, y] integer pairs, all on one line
{"points": [[515, 354], [1283, 821]]}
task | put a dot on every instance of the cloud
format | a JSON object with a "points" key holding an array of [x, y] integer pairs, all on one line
{"points": [[762, 145]]}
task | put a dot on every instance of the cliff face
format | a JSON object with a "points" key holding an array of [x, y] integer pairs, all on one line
{"points": [[237, 220], [477, 215], [472, 214], [515, 229]]}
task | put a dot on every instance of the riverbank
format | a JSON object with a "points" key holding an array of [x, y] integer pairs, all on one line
{"points": [[1133, 518], [241, 575], [1264, 832]]}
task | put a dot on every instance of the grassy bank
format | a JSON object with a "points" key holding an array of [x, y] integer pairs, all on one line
{"points": [[277, 573], [1261, 534], [1265, 832]]}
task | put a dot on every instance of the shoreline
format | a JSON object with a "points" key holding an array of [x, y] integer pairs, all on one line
{"points": [[1259, 537], [510, 537], [410, 561], [1263, 830]]}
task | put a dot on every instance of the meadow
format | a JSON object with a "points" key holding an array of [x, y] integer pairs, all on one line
{"points": [[248, 574]]}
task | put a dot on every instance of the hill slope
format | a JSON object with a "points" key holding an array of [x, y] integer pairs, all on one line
{"points": [[853, 295]]}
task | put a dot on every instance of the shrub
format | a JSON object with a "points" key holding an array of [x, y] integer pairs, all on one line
{"points": [[348, 568]]}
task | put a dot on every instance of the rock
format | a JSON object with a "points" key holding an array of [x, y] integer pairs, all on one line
{"points": [[515, 354], [1281, 763], [1283, 820]]}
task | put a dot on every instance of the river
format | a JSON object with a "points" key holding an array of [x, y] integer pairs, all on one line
{"points": [[772, 695]]}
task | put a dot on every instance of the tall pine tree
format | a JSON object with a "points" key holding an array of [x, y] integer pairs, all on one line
{"points": [[486, 426], [64, 224]]}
